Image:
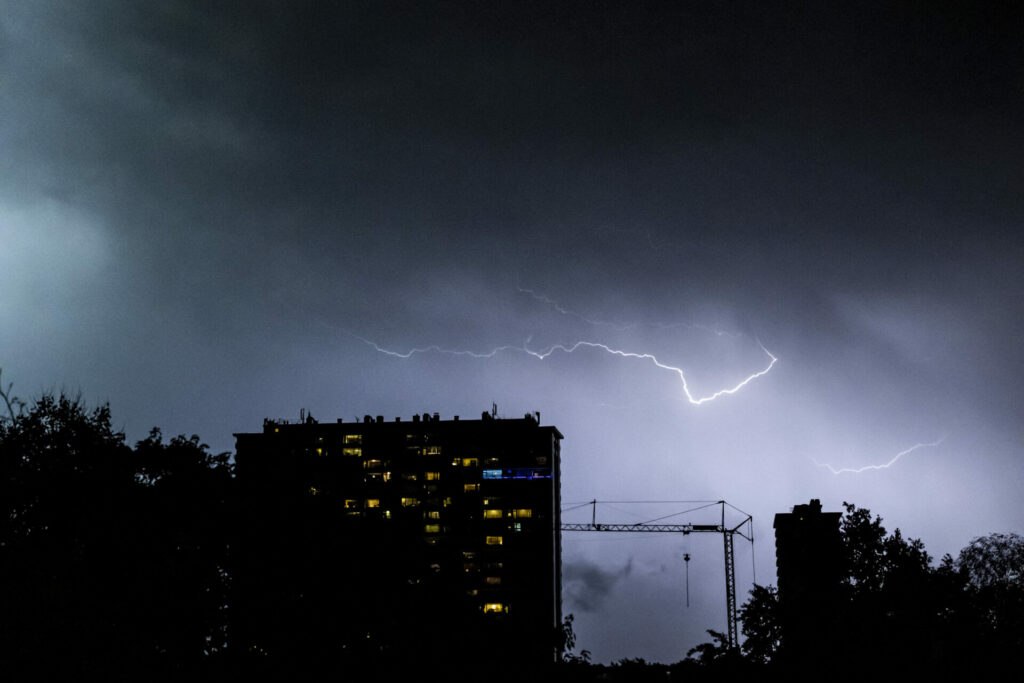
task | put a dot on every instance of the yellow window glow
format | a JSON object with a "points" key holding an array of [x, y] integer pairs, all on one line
{"points": [[523, 513], [470, 462], [373, 502], [432, 476], [353, 438], [494, 608], [351, 503], [432, 528], [410, 502], [492, 514], [493, 540], [432, 514], [313, 490], [493, 580], [470, 487], [352, 451]]}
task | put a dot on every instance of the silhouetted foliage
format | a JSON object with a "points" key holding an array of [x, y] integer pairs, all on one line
{"points": [[112, 560], [759, 619], [900, 612]]}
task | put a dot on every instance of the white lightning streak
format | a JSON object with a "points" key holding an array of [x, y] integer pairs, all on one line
{"points": [[542, 355], [858, 470]]}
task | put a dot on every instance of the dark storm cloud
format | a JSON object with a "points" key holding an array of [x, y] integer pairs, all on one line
{"points": [[587, 585]]}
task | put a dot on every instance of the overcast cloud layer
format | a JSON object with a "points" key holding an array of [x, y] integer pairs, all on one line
{"points": [[208, 209]]}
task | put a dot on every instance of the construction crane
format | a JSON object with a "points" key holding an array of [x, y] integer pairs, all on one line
{"points": [[728, 534]]}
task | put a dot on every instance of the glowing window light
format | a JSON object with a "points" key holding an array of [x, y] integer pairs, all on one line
{"points": [[352, 451], [523, 513], [373, 502], [410, 502], [432, 476], [493, 580], [353, 438], [470, 462], [493, 540], [492, 514], [494, 608], [432, 528], [468, 488]]}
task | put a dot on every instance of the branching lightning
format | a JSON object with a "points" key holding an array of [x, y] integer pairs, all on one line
{"points": [[858, 470], [546, 353]]}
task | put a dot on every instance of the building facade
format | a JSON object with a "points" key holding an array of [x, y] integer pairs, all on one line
{"points": [[434, 537], [809, 567]]}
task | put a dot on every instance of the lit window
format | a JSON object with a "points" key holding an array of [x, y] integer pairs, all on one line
{"points": [[351, 503], [492, 514], [432, 450], [447, 501], [470, 487], [493, 580], [470, 462], [353, 438], [517, 526], [313, 490], [456, 462], [435, 567], [491, 474], [409, 476], [387, 514], [387, 476], [494, 608], [490, 501], [542, 460], [432, 514], [472, 592], [373, 502], [369, 464], [523, 513], [352, 451], [319, 451], [432, 528], [493, 540], [432, 476], [410, 502]]}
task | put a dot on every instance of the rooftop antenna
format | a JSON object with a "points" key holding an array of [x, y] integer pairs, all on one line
{"points": [[494, 409]]}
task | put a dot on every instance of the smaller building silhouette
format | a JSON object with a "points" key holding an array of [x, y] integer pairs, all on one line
{"points": [[809, 566]]}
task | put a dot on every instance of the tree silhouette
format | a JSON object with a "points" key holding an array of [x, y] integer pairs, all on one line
{"points": [[112, 560]]}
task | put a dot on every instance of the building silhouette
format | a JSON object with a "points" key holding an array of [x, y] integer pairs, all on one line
{"points": [[809, 566], [370, 541]]}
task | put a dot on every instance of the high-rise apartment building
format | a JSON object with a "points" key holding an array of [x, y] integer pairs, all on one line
{"points": [[809, 564], [433, 537]]}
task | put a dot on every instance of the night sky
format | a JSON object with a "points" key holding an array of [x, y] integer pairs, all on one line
{"points": [[212, 213]]}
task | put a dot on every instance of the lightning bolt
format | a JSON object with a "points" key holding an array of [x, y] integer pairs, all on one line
{"points": [[858, 470], [546, 353]]}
